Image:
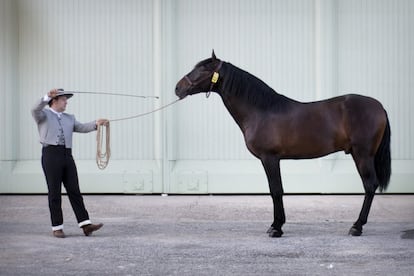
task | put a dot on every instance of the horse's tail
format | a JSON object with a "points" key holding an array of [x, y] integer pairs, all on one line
{"points": [[383, 158]]}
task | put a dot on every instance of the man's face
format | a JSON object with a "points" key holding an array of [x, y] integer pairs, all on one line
{"points": [[60, 103]]}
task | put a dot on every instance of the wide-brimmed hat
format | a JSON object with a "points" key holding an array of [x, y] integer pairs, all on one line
{"points": [[62, 92]]}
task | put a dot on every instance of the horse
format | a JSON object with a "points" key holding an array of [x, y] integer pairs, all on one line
{"points": [[276, 127]]}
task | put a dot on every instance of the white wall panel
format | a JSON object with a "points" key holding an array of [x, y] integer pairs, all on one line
{"points": [[8, 79], [305, 49], [376, 58], [273, 40], [89, 46], [8, 90]]}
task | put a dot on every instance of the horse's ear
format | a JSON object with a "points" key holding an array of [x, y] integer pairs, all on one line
{"points": [[213, 55]]}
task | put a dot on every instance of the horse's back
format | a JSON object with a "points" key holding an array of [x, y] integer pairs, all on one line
{"points": [[355, 101], [340, 123]]}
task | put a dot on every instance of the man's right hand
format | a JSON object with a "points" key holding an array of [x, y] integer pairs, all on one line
{"points": [[52, 93]]}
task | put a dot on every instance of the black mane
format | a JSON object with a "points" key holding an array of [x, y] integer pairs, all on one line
{"points": [[244, 85]]}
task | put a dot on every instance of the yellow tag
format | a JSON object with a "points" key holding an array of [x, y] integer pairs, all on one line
{"points": [[215, 77]]}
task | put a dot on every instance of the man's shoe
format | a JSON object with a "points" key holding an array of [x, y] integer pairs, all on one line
{"points": [[59, 234], [88, 229]]}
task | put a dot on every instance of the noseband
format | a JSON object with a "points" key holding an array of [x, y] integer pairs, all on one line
{"points": [[214, 78]]}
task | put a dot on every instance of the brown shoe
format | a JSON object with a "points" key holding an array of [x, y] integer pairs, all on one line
{"points": [[88, 229], [59, 234]]}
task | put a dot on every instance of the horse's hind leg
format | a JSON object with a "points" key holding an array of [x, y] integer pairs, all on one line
{"points": [[366, 169]]}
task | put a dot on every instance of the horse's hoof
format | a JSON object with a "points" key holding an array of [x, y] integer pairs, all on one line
{"points": [[355, 231], [274, 233]]}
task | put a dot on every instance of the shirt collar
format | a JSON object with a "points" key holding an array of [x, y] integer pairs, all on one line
{"points": [[57, 113]]}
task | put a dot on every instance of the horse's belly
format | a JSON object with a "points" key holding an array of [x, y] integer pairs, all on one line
{"points": [[313, 146], [297, 137], [289, 149], [306, 155]]}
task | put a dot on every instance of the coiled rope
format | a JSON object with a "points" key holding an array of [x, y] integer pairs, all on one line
{"points": [[102, 157]]}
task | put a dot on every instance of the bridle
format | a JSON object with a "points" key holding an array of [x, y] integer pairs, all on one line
{"points": [[214, 78]]}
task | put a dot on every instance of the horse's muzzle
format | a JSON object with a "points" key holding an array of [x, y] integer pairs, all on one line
{"points": [[181, 88]]}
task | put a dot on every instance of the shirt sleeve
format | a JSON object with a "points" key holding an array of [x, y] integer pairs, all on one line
{"points": [[46, 98], [37, 110], [84, 127]]}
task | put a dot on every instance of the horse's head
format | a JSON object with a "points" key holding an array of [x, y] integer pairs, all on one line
{"points": [[201, 79]]}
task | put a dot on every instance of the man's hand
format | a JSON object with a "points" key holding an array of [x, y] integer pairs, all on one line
{"points": [[102, 122], [52, 93]]}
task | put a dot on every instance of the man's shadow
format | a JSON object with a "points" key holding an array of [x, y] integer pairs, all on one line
{"points": [[408, 234]]}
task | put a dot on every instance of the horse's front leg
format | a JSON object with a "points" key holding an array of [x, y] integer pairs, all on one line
{"points": [[271, 165]]}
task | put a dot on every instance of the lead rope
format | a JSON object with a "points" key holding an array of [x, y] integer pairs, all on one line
{"points": [[102, 158]]}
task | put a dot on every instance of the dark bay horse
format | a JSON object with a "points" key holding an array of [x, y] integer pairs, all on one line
{"points": [[276, 127]]}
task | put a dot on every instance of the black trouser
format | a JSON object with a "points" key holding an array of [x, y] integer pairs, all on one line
{"points": [[59, 167]]}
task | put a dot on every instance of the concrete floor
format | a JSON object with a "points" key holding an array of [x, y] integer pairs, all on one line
{"points": [[209, 235]]}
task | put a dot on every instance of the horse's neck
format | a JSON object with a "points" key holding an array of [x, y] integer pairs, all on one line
{"points": [[238, 107], [241, 112], [247, 97]]}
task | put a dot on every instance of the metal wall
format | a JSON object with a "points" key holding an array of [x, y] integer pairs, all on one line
{"points": [[306, 50], [8, 88]]}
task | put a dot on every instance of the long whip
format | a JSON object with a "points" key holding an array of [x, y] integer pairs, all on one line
{"points": [[111, 94]]}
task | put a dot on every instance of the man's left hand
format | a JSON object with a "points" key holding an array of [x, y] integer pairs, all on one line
{"points": [[102, 122]]}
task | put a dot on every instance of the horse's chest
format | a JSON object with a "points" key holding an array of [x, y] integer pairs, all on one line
{"points": [[263, 136]]}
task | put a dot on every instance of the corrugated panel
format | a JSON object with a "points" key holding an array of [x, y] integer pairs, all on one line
{"points": [[8, 78], [90, 46], [307, 50], [376, 57], [273, 40]]}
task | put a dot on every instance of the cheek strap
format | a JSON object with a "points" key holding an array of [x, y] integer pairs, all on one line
{"points": [[214, 78]]}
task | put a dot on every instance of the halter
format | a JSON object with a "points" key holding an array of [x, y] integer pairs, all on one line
{"points": [[214, 78]]}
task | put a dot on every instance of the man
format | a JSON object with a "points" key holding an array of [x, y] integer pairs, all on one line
{"points": [[55, 131]]}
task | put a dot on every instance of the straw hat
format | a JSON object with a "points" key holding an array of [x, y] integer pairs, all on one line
{"points": [[60, 93]]}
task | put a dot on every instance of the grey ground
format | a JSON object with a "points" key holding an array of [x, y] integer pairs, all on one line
{"points": [[208, 235]]}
